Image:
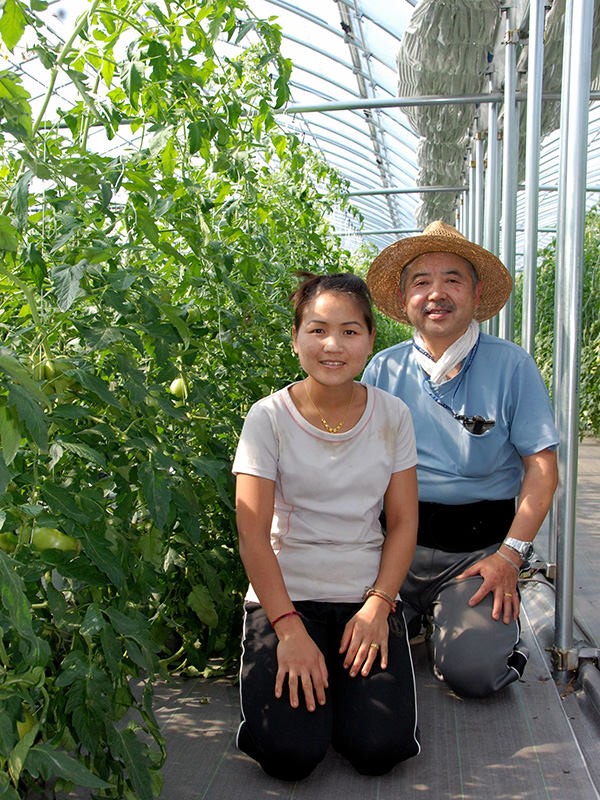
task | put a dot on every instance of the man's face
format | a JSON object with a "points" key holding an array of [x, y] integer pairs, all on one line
{"points": [[440, 298]]}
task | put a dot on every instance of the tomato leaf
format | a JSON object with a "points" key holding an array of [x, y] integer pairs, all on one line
{"points": [[102, 557], [12, 24], [10, 434], [45, 761], [201, 602], [156, 494], [85, 452], [96, 385], [61, 502], [67, 281], [19, 198], [8, 235], [126, 744], [30, 414]]}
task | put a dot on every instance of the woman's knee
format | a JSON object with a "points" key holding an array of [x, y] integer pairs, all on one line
{"points": [[377, 757], [285, 758]]}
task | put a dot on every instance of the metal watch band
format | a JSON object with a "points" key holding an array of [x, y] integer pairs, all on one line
{"points": [[524, 549]]}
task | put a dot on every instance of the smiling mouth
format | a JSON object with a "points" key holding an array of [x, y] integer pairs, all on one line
{"points": [[333, 363], [443, 309]]}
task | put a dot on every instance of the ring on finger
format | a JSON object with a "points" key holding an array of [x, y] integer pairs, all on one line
{"points": [[375, 645], [507, 594]]}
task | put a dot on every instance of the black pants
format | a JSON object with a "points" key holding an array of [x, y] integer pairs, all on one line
{"points": [[372, 721]]}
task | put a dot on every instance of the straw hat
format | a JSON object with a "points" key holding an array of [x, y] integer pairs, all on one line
{"points": [[383, 277]]}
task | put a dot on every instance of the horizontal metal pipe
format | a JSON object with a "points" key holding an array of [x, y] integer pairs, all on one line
{"points": [[555, 188], [418, 230], [424, 100], [378, 233], [409, 190], [394, 102]]}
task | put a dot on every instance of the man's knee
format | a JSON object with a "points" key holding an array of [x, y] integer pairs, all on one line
{"points": [[474, 653]]}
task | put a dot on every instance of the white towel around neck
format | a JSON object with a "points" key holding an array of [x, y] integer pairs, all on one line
{"points": [[438, 370]]}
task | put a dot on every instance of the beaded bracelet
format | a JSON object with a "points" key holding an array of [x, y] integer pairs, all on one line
{"points": [[371, 590], [293, 613]]}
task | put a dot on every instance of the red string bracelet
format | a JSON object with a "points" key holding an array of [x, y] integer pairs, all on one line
{"points": [[293, 613]]}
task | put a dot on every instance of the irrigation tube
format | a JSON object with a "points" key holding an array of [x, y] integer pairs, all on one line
{"points": [[532, 170], [571, 226]]}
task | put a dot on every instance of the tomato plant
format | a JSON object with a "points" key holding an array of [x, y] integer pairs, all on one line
{"points": [[589, 416], [124, 271]]}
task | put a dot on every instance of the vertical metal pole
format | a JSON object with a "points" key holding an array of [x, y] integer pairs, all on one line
{"points": [[477, 235], [509, 167], [532, 170], [495, 321], [472, 191], [571, 266], [490, 230], [559, 276], [464, 214], [492, 192]]}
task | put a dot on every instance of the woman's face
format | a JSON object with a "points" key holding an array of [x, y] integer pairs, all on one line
{"points": [[333, 341]]}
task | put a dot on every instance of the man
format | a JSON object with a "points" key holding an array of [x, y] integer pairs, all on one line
{"points": [[485, 434]]}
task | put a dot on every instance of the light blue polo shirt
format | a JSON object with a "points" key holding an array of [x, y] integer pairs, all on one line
{"points": [[501, 383]]}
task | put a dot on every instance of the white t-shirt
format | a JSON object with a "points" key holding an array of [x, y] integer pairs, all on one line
{"points": [[329, 490]]}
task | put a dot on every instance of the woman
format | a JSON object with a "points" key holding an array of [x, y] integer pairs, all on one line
{"points": [[325, 655]]}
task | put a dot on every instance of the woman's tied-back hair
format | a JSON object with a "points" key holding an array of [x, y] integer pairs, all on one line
{"points": [[311, 286]]}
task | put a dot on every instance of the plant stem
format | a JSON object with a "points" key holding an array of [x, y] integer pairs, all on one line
{"points": [[59, 62]]}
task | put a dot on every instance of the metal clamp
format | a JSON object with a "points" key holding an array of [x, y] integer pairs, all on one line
{"points": [[548, 568], [565, 660]]}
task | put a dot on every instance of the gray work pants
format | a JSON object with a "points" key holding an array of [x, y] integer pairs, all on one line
{"points": [[475, 654]]}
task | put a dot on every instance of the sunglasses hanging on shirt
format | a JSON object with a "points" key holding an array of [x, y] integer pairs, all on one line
{"points": [[475, 424]]}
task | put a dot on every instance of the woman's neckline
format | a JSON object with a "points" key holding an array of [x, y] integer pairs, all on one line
{"points": [[303, 422]]}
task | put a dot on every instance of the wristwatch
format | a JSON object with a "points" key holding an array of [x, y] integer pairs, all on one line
{"points": [[524, 549]]}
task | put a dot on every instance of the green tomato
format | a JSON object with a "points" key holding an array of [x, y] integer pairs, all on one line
{"points": [[26, 724], [8, 542], [51, 538], [179, 388], [49, 370]]}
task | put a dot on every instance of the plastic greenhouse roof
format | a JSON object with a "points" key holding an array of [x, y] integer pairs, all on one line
{"points": [[347, 50], [344, 50]]}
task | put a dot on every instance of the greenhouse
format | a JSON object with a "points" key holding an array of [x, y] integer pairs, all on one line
{"points": [[167, 169]]}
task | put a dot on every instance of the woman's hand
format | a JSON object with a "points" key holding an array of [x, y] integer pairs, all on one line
{"points": [[300, 659], [366, 635]]}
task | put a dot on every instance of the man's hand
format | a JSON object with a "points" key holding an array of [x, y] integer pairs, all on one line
{"points": [[499, 578]]}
